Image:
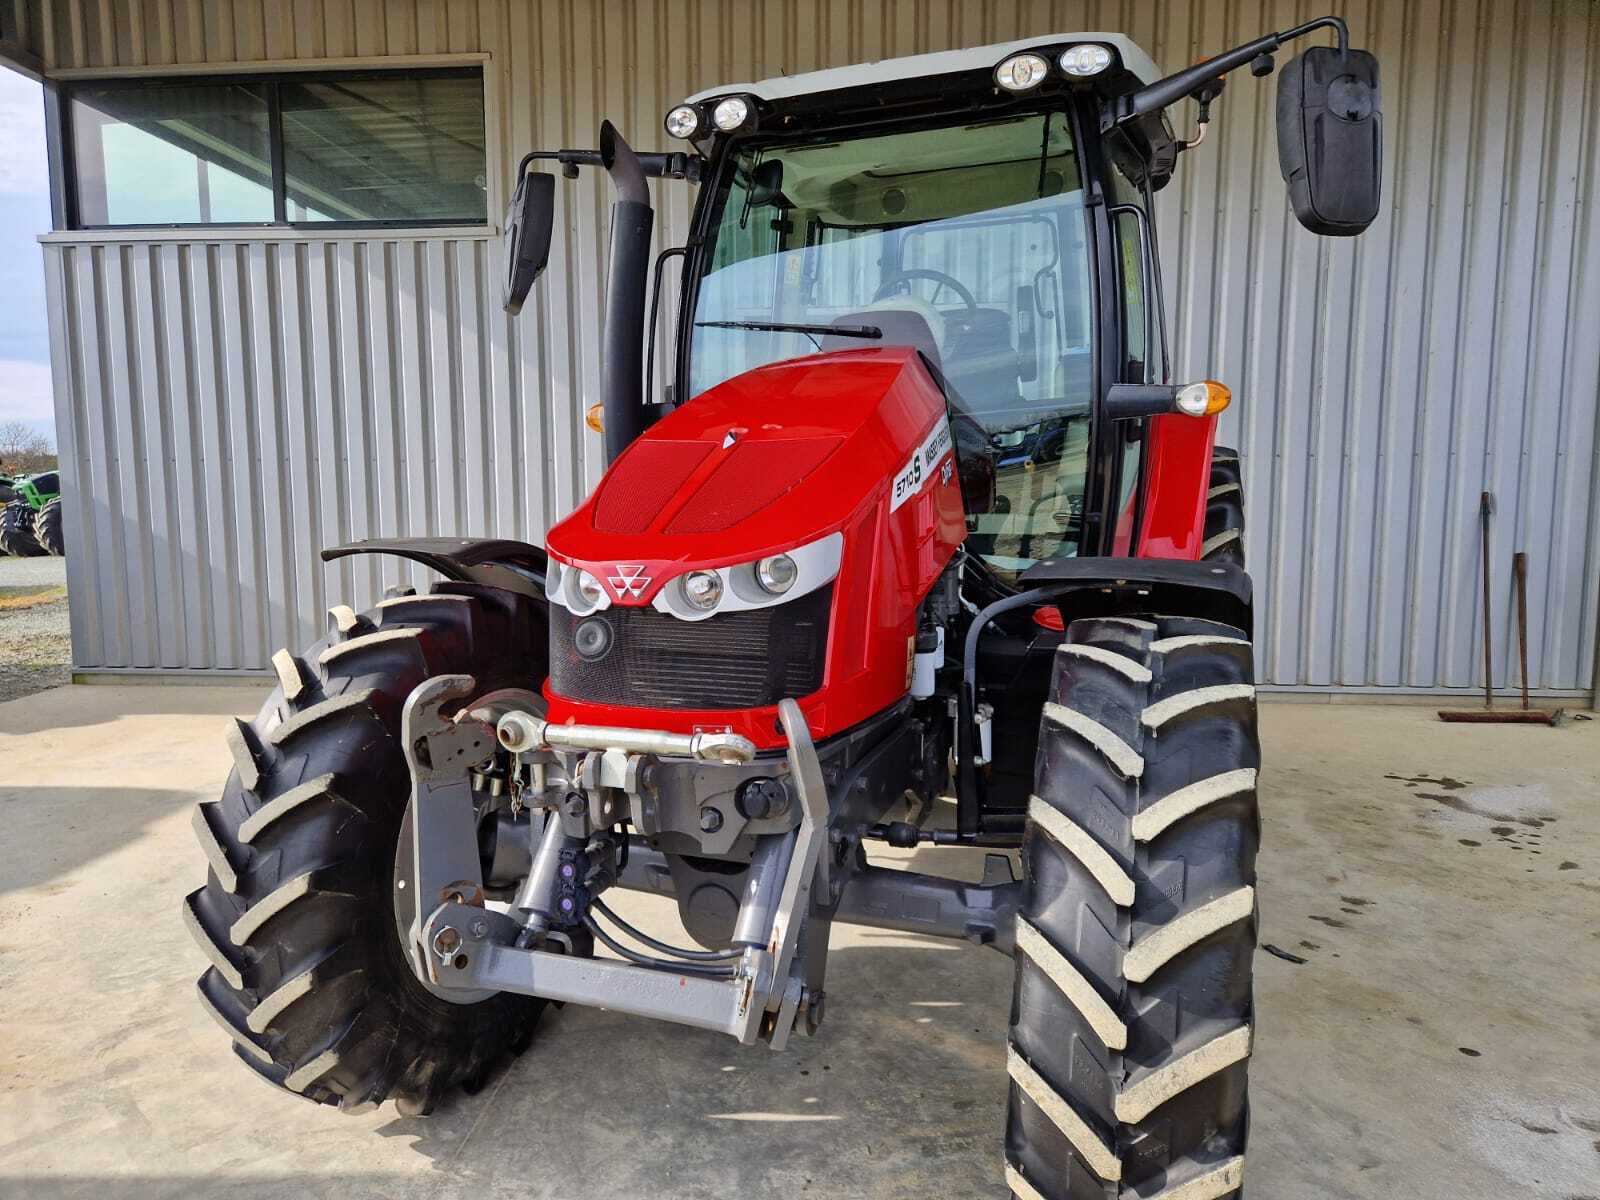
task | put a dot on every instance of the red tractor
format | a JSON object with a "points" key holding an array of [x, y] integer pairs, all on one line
{"points": [[919, 547]]}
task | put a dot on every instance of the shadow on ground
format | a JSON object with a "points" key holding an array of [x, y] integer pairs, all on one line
{"points": [[51, 832], [82, 705], [901, 1094]]}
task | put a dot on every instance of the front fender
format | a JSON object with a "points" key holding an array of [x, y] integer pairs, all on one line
{"points": [[496, 562], [1094, 587]]}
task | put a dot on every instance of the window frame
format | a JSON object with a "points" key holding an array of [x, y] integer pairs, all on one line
{"points": [[271, 80]]}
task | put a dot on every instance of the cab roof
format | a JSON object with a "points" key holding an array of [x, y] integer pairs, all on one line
{"points": [[920, 66]]}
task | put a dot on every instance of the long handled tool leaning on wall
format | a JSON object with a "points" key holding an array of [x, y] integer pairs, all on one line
{"points": [[1489, 714]]}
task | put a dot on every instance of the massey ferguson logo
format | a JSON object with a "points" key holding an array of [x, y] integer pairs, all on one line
{"points": [[628, 579]]}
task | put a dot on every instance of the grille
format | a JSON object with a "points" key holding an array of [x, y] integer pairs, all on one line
{"points": [[732, 660], [750, 478], [631, 498]]}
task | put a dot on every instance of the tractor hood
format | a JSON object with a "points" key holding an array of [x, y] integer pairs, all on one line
{"points": [[769, 461]]}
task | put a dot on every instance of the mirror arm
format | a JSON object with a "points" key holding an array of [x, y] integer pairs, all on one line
{"points": [[655, 166], [1158, 95], [1135, 401]]}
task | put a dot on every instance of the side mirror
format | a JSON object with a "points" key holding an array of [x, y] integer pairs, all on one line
{"points": [[766, 184], [1330, 144], [529, 221]]}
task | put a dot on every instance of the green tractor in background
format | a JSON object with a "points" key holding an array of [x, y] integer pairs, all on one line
{"points": [[30, 522]]}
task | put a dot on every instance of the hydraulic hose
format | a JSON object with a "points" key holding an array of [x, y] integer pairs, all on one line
{"points": [[639, 935], [659, 964]]}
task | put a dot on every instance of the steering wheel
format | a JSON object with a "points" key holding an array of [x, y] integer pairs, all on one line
{"points": [[897, 282]]}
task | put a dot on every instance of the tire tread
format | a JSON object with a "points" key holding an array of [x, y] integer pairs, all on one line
{"points": [[304, 969], [1169, 957]]}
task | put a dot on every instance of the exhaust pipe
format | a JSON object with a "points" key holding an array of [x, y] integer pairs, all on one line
{"points": [[632, 220]]}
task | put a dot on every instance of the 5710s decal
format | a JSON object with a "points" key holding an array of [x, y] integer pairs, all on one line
{"points": [[919, 467]]}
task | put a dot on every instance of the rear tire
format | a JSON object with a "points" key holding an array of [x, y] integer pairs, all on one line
{"points": [[16, 530], [1132, 1018], [308, 975], [47, 528], [1224, 537]]}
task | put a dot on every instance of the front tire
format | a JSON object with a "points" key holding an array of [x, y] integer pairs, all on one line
{"points": [[1132, 1019], [47, 528], [1224, 528], [16, 530], [308, 975]]}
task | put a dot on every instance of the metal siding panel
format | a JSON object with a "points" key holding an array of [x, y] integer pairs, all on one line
{"points": [[382, 403], [188, 30], [356, 516], [1583, 379], [130, 519], [475, 490], [298, 473], [158, 535], [440, 394], [100, 502], [234, 344], [217, 555], [67, 335], [326, 330], [188, 523]]}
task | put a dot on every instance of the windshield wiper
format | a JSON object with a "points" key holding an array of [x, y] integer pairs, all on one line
{"points": [[855, 331]]}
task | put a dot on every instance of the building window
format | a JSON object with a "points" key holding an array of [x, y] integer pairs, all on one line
{"points": [[370, 148]]}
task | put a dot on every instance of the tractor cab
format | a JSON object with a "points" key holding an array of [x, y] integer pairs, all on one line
{"points": [[965, 219]]}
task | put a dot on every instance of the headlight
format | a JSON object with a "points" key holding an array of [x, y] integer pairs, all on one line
{"points": [[683, 121], [592, 638], [1085, 60], [1021, 72], [702, 589], [777, 574], [731, 113], [589, 589], [704, 592]]}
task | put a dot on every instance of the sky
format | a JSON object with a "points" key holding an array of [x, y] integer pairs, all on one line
{"points": [[24, 214]]}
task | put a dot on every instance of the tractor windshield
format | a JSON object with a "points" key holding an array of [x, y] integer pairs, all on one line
{"points": [[967, 241]]}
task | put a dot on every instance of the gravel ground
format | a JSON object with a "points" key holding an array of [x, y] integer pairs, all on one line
{"points": [[35, 649]]}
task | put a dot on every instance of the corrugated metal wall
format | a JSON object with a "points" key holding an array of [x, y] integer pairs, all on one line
{"points": [[228, 406]]}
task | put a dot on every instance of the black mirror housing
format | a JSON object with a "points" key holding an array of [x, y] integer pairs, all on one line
{"points": [[529, 221], [1330, 143]]}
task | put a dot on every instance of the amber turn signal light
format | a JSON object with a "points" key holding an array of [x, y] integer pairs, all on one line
{"points": [[1202, 399], [594, 416]]}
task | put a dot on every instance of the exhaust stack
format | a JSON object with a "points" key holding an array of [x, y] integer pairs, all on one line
{"points": [[632, 220]]}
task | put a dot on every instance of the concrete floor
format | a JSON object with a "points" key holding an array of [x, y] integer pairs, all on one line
{"points": [[1441, 1040]]}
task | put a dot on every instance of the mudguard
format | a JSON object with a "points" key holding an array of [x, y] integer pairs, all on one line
{"points": [[498, 562], [1091, 587], [1016, 665]]}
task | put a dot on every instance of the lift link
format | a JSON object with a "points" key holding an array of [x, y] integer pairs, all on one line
{"points": [[520, 732]]}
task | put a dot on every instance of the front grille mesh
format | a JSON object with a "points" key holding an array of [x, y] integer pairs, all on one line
{"points": [[732, 660]]}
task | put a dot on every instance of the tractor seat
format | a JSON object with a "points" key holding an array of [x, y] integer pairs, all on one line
{"points": [[901, 327], [981, 360]]}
